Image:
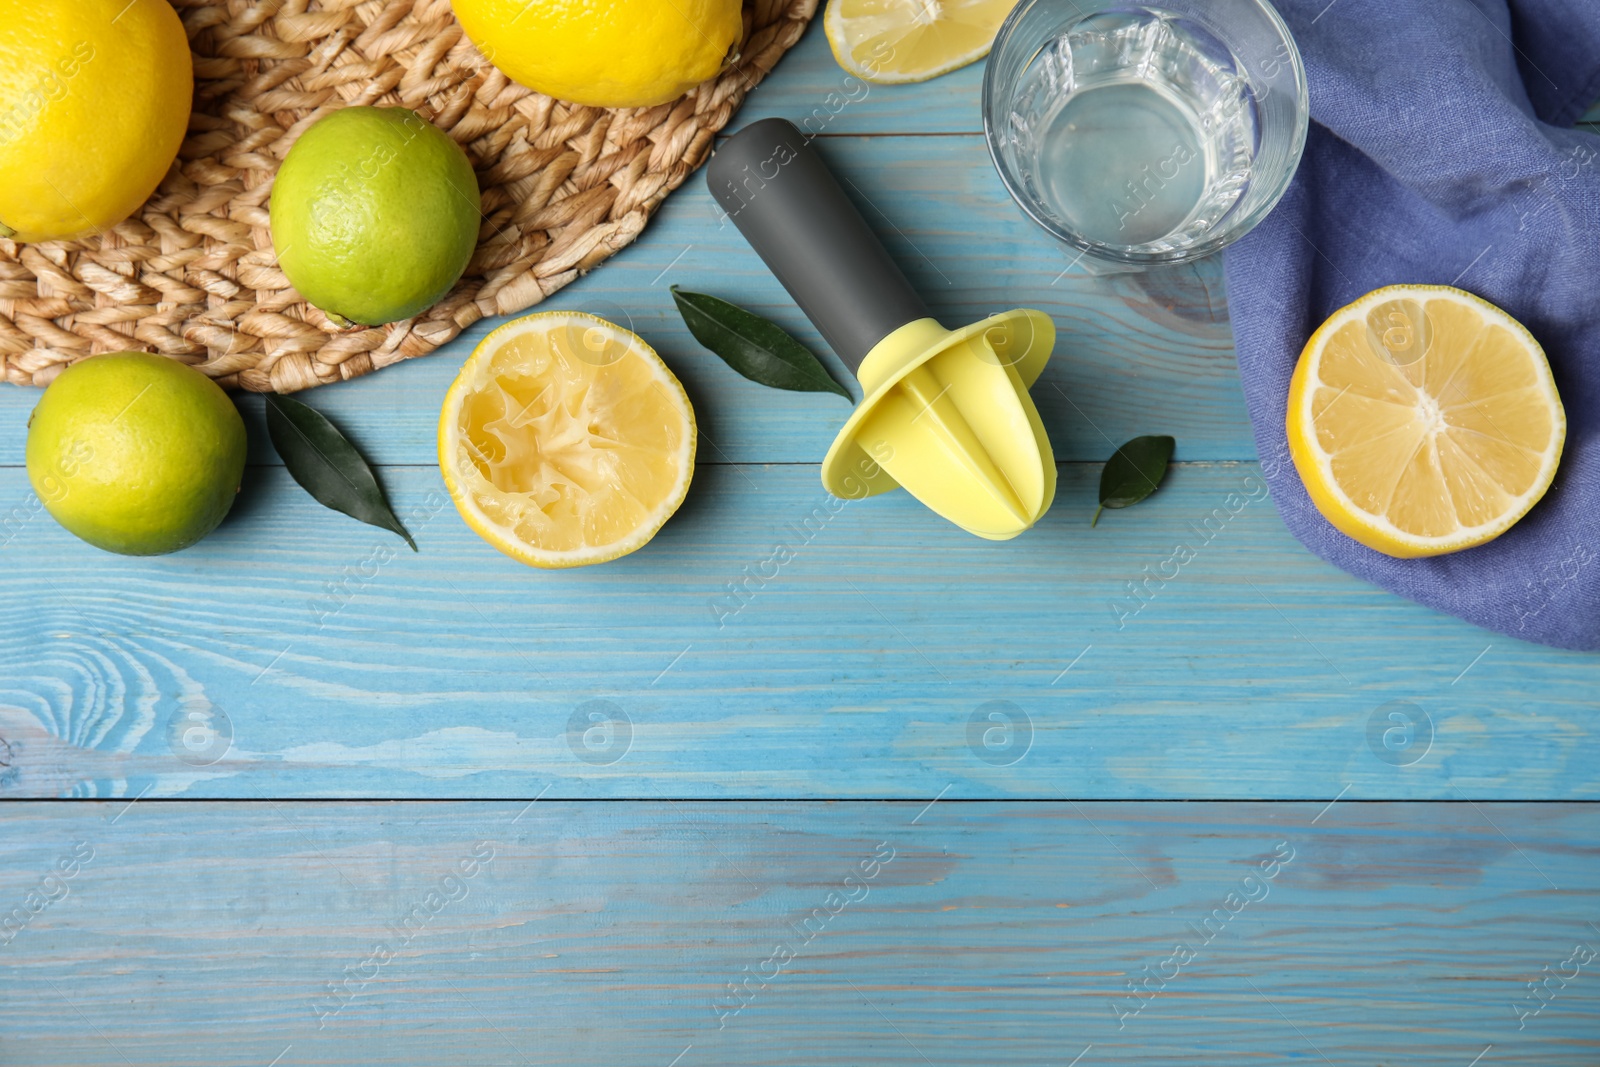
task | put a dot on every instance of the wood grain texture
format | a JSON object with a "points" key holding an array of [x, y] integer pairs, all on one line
{"points": [[1137, 353], [298, 654], [610, 933], [347, 666], [344, 666]]}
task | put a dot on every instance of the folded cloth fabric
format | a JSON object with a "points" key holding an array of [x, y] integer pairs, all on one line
{"points": [[1439, 153]]}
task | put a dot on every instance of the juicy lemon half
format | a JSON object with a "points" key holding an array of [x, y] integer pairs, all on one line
{"points": [[1424, 420], [565, 440], [888, 41]]}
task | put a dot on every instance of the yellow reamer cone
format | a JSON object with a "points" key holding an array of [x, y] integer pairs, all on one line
{"points": [[948, 417], [946, 414]]}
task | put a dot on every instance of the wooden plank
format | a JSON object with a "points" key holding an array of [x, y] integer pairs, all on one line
{"points": [[1137, 353], [864, 660], [892, 934]]}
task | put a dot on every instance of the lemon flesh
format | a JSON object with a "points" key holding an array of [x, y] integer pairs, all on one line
{"points": [[94, 103], [889, 41], [136, 453], [375, 214], [620, 53], [565, 440], [1424, 420]]}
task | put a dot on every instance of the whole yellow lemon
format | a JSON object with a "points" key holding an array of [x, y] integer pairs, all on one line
{"points": [[94, 103], [619, 53]]}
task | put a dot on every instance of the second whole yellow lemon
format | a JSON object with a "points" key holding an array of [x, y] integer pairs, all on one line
{"points": [[94, 104], [618, 53]]}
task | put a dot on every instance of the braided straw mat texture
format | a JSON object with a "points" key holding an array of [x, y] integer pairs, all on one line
{"points": [[193, 274]]}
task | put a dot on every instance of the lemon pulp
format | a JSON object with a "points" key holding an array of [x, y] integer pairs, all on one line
{"points": [[566, 441]]}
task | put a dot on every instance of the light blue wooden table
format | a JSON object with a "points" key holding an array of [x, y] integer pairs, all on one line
{"points": [[918, 799]]}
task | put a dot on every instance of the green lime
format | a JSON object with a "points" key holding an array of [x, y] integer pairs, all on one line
{"points": [[135, 453], [374, 214]]}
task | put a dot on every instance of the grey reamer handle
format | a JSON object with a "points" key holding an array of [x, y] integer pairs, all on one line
{"points": [[782, 197]]}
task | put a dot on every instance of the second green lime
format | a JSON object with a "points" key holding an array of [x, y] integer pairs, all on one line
{"points": [[375, 214], [136, 453]]}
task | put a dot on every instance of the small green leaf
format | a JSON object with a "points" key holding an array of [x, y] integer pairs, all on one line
{"points": [[1133, 472], [327, 465], [756, 348]]}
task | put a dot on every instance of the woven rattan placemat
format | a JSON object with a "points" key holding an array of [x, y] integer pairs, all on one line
{"points": [[193, 275]]}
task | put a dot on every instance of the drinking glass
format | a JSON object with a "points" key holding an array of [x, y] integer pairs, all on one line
{"points": [[1145, 133]]}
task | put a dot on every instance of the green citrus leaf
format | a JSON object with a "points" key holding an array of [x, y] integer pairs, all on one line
{"points": [[1133, 472], [327, 465], [755, 347]]}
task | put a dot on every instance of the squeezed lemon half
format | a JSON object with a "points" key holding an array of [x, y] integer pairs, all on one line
{"points": [[888, 41], [1424, 420], [565, 440]]}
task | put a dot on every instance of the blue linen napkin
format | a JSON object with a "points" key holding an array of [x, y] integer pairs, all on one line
{"points": [[1438, 154]]}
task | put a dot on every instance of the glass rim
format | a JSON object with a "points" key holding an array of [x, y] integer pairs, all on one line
{"points": [[1235, 228]]}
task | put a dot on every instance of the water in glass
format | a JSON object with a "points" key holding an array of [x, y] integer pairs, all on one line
{"points": [[1136, 128]]}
